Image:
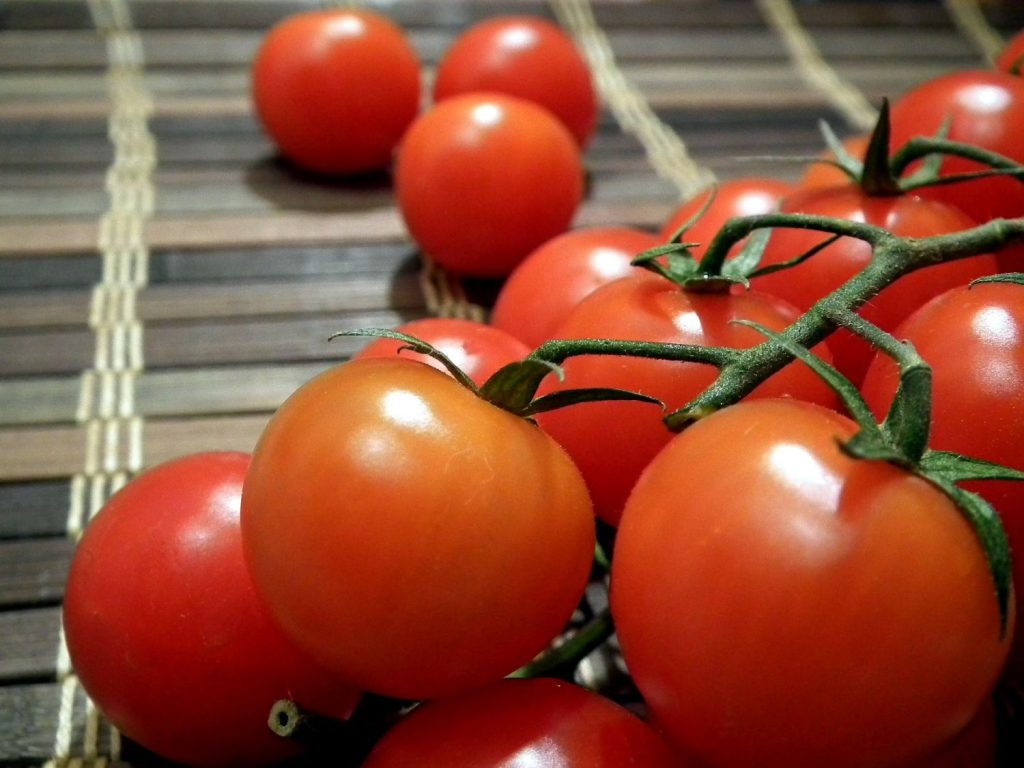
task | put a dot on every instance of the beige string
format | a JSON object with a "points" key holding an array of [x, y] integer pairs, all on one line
{"points": [[106, 403], [843, 95], [971, 21]]}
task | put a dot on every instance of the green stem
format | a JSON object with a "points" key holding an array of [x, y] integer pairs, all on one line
{"points": [[558, 351], [562, 660], [922, 146]]}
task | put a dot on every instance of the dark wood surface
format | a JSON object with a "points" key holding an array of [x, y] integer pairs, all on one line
{"points": [[251, 265]]}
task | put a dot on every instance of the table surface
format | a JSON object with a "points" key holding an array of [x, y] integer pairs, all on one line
{"points": [[164, 286]]}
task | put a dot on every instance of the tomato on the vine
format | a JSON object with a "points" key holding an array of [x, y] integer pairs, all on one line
{"points": [[820, 174], [611, 442], [479, 350], [483, 179], [516, 723], [904, 215], [558, 275], [166, 631], [973, 337], [336, 89], [527, 57], [780, 603], [411, 536], [1012, 57]]}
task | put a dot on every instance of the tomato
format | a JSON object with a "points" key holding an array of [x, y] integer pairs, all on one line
{"points": [[974, 747], [904, 215], [478, 349], [409, 535], [740, 197], [611, 442], [824, 175], [539, 723], [526, 57], [553, 279], [1012, 58], [483, 179], [987, 110], [780, 603], [336, 89], [166, 631], [974, 340]]}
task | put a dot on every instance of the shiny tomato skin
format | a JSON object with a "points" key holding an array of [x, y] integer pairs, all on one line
{"points": [[559, 274], [611, 442], [904, 215], [779, 603], [483, 179], [526, 57], [166, 631], [541, 723], [336, 89], [411, 536], [478, 349], [974, 340], [987, 110], [739, 197], [1011, 60]]}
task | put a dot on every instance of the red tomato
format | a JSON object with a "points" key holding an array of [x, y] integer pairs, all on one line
{"points": [[741, 197], [553, 279], [410, 535], [974, 747], [483, 179], [526, 57], [1012, 58], [478, 349], [987, 110], [516, 723], [903, 215], [611, 442], [165, 629], [780, 603], [336, 89], [974, 340], [824, 175]]}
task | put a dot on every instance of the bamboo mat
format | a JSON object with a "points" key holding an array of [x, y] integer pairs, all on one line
{"points": [[165, 281]]}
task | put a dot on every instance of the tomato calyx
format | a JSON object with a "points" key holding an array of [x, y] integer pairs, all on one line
{"points": [[562, 660]]}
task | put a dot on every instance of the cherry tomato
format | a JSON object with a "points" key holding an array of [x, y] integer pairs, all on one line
{"points": [[553, 279], [740, 197], [411, 536], [987, 110], [820, 175], [1011, 60], [526, 57], [780, 603], [974, 747], [539, 723], [974, 340], [903, 215], [611, 442], [483, 179], [478, 349], [166, 631], [336, 89]]}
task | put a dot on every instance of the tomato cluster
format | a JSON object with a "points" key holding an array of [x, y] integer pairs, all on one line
{"points": [[422, 521]]}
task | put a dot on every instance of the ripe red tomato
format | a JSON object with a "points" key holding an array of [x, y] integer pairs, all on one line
{"points": [[336, 89], [974, 340], [526, 57], [780, 603], [904, 215], [410, 535], [478, 349], [987, 110], [824, 175], [553, 279], [483, 179], [165, 629], [611, 442], [539, 723], [1012, 58], [740, 197]]}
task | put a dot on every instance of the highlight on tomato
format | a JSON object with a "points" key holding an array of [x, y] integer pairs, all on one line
{"points": [[166, 631], [336, 89], [779, 602], [482, 179], [555, 277], [527, 57], [411, 536]]}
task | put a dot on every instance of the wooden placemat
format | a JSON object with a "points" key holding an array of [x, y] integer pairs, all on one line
{"points": [[166, 281]]}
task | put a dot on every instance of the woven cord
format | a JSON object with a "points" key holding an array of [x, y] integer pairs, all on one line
{"points": [[106, 404], [971, 21]]}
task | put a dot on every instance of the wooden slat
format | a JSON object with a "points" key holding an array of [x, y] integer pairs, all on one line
{"points": [[27, 714], [33, 571], [33, 509], [28, 638]]}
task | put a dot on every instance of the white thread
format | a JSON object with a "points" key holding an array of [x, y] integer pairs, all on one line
{"points": [[971, 21]]}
